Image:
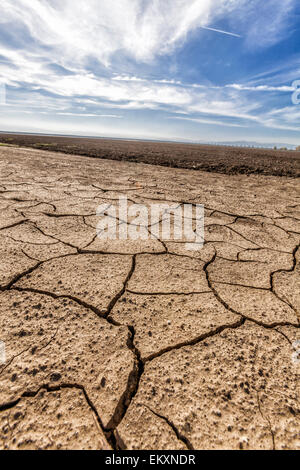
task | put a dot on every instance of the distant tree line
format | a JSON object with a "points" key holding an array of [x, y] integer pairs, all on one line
{"points": [[285, 148]]}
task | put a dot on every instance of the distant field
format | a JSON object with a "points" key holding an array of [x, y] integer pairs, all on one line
{"points": [[219, 159]]}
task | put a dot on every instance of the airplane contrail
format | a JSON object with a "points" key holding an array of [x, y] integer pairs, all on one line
{"points": [[220, 31]]}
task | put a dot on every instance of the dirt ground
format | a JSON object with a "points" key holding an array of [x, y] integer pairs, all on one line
{"points": [[217, 159], [141, 344]]}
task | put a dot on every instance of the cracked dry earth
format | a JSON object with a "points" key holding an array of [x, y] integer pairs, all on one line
{"points": [[141, 344]]}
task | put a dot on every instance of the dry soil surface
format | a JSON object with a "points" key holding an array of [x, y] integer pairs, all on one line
{"points": [[142, 344]]}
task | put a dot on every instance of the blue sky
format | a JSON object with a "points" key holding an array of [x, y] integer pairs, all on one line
{"points": [[198, 70]]}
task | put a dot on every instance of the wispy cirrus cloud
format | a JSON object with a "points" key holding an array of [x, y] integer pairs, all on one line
{"points": [[139, 29], [266, 23]]}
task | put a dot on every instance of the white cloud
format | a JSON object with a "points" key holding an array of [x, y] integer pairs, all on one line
{"points": [[114, 116], [237, 86], [203, 104], [142, 30], [127, 78], [208, 121], [289, 113], [265, 22]]}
